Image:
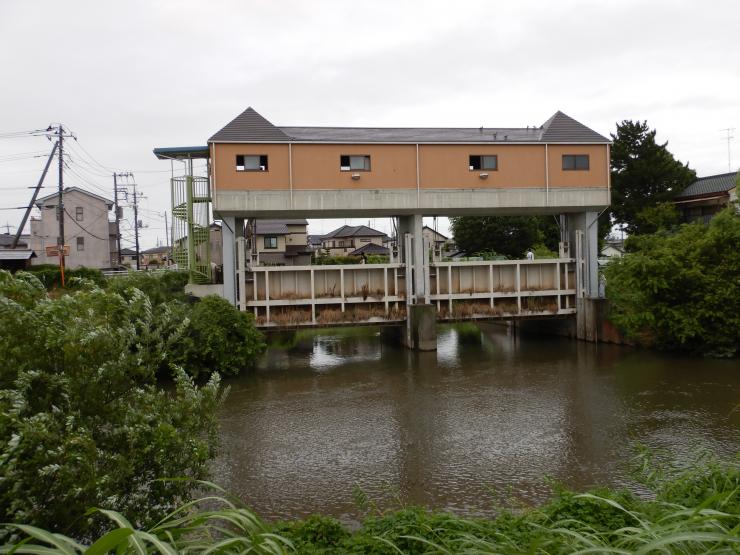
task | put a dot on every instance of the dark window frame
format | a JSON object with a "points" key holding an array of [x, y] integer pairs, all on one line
{"points": [[574, 160], [348, 165], [79, 214], [472, 162], [263, 162], [80, 243], [265, 242]]}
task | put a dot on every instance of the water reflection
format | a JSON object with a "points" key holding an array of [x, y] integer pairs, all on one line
{"points": [[488, 412]]}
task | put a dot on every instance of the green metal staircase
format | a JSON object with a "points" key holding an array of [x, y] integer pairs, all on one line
{"points": [[191, 231]]}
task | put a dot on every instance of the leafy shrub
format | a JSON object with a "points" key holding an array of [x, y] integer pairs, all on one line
{"points": [[160, 287], [330, 260], [51, 276], [82, 421], [217, 338], [679, 291]]}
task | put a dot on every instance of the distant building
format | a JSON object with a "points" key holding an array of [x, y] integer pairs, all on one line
{"points": [[159, 257], [16, 259], [706, 196], [128, 257], [613, 248], [279, 242], [347, 239], [6, 240], [86, 229]]}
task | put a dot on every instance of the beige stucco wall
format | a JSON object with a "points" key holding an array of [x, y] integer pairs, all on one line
{"points": [[316, 166], [93, 227], [280, 243]]}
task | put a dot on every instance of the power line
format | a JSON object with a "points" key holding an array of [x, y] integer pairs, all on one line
{"points": [[84, 229]]}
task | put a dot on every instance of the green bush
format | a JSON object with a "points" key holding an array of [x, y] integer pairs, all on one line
{"points": [[217, 338], [331, 260], [160, 287], [599, 522], [51, 276], [680, 290], [82, 421]]}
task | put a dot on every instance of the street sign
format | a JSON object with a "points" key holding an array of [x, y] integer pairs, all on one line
{"points": [[53, 250]]}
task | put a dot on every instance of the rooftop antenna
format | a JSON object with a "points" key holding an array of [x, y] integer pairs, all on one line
{"points": [[729, 138]]}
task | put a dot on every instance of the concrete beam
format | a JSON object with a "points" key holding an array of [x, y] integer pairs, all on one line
{"points": [[315, 203]]}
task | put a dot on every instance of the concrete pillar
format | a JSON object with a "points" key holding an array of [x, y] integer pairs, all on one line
{"points": [[421, 318], [414, 224], [421, 327], [586, 222], [229, 258]]}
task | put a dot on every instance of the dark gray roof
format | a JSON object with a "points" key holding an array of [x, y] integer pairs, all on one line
{"points": [[295, 250], [277, 227], [354, 231], [157, 250], [6, 240], [711, 184], [564, 129], [252, 127], [370, 248], [314, 239], [249, 126], [128, 252]]}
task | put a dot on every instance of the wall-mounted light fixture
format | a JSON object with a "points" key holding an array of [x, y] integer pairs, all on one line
{"points": [[483, 175], [355, 176]]}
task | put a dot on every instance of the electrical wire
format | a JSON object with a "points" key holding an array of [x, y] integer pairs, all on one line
{"points": [[74, 221]]}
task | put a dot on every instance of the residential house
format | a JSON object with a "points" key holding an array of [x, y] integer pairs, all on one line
{"points": [[349, 239], [128, 257], [16, 259], [86, 229], [706, 196], [279, 242], [157, 257]]}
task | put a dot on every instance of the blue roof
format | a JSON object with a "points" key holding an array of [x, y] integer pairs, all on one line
{"points": [[170, 152]]}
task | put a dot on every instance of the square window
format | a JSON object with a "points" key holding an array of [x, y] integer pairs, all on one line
{"points": [[78, 213], [354, 162], [483, 162], [575, 162], [251, 162], [80, 243], [271, 242]]}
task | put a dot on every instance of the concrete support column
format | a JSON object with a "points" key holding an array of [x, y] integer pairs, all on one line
{"points": [[229, 258], [586, 222], [421, 318]]}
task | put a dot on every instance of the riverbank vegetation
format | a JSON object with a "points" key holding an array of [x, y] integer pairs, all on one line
{"points": [[690, 512], [678, 289], [85, 420]]}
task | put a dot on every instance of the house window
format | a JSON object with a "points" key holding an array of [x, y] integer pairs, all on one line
{"points": [[270, 242], [80, 243], [481, 162], [78, 213], [251, 162], [575, 161], [364, 240], [354, 163]]}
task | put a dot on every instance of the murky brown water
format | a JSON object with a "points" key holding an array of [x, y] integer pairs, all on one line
{"points": [[463, 427]]}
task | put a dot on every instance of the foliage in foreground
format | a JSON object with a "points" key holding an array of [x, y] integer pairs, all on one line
{"points": [[680, 290], [83, 422], [695, 511]]}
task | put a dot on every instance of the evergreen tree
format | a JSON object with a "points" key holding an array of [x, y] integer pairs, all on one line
{"points": [[644, 175], [507, 235]]}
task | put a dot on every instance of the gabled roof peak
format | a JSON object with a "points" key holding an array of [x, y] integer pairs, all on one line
{"points": [[249, 126], [561, 128]]}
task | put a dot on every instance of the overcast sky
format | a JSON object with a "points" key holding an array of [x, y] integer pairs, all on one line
{"points": [[130, 76]]}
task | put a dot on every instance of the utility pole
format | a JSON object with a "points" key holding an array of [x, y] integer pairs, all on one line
{"points": [[136, 226], [729, 137], [60, 206], [33, 197], [118, 219], [167, 236]]}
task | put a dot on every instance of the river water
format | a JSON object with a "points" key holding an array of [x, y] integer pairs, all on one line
{"points": [[486, 420]]}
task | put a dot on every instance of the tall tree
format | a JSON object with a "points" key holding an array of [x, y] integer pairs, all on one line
{"points": [[508, 235], [644, 174]]}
